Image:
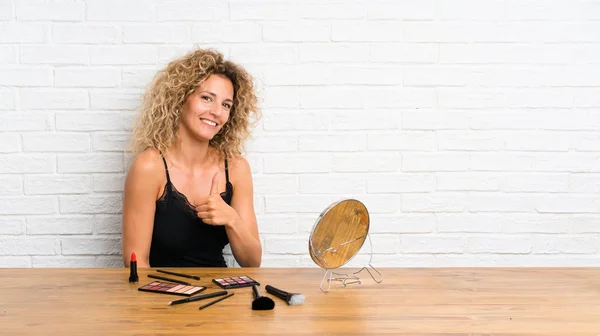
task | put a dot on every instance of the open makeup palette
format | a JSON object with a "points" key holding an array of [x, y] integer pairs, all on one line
{"points": [[171, 288]]}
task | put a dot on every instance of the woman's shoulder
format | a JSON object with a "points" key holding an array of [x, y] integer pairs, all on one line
{"points": [[147, 163], [239, 167]]}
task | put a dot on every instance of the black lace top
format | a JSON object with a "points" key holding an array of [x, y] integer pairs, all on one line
{"points": [[180, 238]]}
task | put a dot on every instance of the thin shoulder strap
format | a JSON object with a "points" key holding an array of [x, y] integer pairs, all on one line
{"points": [[226, 171], [166, 169]]}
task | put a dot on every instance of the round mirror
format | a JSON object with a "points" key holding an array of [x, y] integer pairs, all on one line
{"points": [[339, 233]]}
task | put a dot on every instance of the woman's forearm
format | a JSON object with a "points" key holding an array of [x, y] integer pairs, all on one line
{"points": [[246, 248]]}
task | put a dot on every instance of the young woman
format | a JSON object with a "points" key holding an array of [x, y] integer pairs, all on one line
{"points": [[189, 191]]}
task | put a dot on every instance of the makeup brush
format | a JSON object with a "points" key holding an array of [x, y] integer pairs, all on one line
{"points": [[292, 299], [261, 302]]}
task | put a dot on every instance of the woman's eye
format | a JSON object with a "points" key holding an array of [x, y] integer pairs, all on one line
{"points": [[207, 98], [227, 106]]}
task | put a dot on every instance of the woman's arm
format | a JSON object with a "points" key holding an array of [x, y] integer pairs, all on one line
{"points": [[243, 230], [142, 186]]}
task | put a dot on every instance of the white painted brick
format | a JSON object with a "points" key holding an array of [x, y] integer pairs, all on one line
{"points": [[281, 261], [332, 52], [330, 97], [29, 163], [108, 182], [108, 262], [53, 99], [299, 163], [491, 53], [399, 183], [294, 121], [502, 162], [403, 53], [332, 143], [504, 97], [397, 97], [422, 10], [65, 225], [432, 162], [367, 162], [226, 32], [29, 246], [87, 246], [25, 76], [107, 224], [508, 244], [255, 161], [469, 222], [12, 226], [123, 55], [24, 205], [586, 97], [137, 77], [87, 77], [526, 76], [382, 244], [326, 184], [115, 10], [585, 53], [188, 10], [568, 162], [156, 33], [434, 202], [264, 10], [402, 223], [168, 53], [300, 31], [500, 202], [378, 204], [277, 224], [112, 142], [26, 121], [431, 244], [54, 54], [23, 32], [85, 33], [270, 144], [427, 75], [326, 74], [16, 262], [355, 120], [11, 185], [366, 31], [506, 119], [297, 203], [8, 53], [62, 262], [281, 97], [437, 32], [585, 142], [532, 32], [404, 141], [90, 204], [7, 12], [420, 119], [567, 203], [584, 223], [584, 183], [546, 141], [267, 54], [467, 181], [90, 121], [472, 140], [275, 184], [587, 244], [284, 245], [114, 100], [90, 163], [10, 143], [7, 99], [259, 204], [57, 184], [535, 183], [574, 119], [57, 10], [56, 142], [533, 223]]}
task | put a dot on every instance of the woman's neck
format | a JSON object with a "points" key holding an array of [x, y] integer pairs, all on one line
{"points": [[191, 152]]}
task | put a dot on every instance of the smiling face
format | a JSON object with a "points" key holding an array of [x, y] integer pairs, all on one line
{"points": [[207, 109]]}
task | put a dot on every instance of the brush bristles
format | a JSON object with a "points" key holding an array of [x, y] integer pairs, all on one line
{"points": [[296, 299]]}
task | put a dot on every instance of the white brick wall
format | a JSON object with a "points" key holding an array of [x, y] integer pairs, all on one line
{"points": [[470, 129]]}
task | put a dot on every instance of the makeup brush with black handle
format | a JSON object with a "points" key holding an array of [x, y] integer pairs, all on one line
{"points": [[261, 302], [292, 299]]}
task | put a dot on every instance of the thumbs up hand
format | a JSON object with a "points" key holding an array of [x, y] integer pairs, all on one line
{"points": [[212, 209]]}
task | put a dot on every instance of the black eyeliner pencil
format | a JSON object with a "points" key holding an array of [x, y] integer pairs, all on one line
{"points": [[180, 274], [168, 279], [215, 301], [196, 298]]}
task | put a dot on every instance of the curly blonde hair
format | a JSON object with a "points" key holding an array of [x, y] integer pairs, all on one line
{"points": [[157, 124]]}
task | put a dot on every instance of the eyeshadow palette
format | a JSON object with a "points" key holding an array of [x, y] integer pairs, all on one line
{"points": [[171, 288], [235, 282]]}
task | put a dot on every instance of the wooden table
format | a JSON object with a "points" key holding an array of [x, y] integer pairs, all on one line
{"points": [[451, 301]]}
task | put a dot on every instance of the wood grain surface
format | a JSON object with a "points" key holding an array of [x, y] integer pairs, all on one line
{"points": [[459, 301]]}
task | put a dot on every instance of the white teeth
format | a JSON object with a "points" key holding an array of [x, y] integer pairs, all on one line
{"points": [[208, 122]]}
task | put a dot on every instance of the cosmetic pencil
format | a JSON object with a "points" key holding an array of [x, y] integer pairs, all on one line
{"points": [[196, 298], [168, 279], [215, 301], [180, 274]]}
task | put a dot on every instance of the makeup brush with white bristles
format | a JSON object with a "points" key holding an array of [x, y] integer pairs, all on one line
{"points": [[292, 299]]}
